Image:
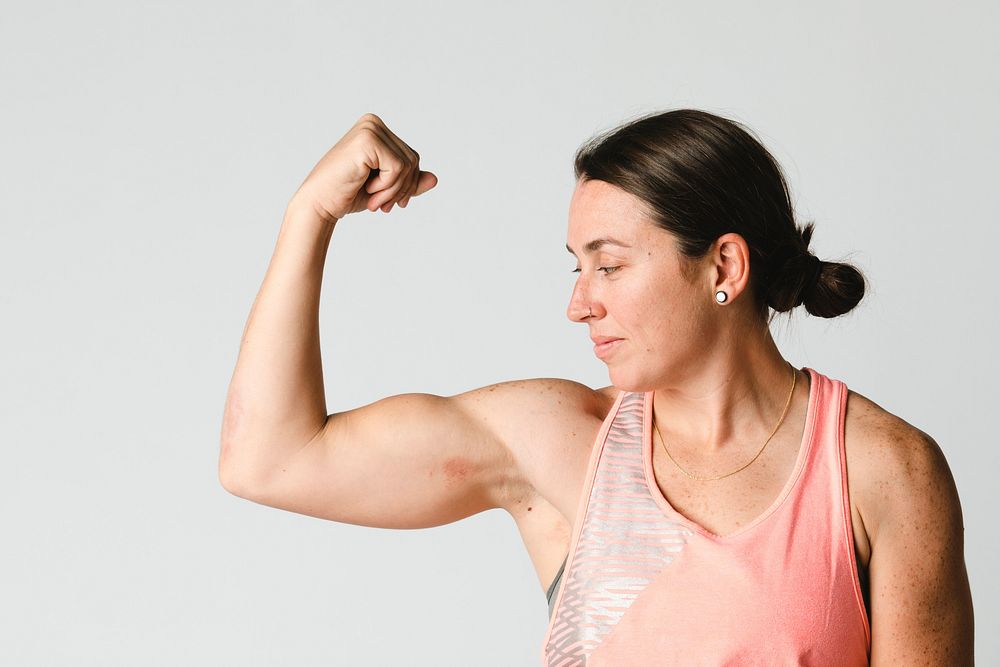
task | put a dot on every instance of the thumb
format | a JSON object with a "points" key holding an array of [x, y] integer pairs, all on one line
{"points": [[425, 182]]}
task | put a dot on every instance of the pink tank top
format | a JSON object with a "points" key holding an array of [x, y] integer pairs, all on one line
{"points": [[643, 585]]}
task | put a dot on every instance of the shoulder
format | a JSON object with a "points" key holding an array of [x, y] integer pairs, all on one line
{"points": [[897, 468], [921, 600], [513, 404], [541, 423]]}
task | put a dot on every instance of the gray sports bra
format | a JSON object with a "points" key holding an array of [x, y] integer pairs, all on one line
{"points": [[862, 576]]}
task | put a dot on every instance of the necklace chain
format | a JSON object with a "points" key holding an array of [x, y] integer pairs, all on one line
{"points": [[708, 479]]}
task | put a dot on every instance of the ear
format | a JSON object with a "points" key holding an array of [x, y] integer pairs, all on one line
{"points": [[731, 260]]}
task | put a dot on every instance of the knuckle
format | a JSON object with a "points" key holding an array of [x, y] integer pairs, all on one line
{"points": [[367, 133], [370, 118]]}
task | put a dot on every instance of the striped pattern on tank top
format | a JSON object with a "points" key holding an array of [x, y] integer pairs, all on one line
{"points": [[624, 543]]}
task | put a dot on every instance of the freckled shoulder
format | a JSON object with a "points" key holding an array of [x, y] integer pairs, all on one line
{"points": [[879, 446], [921, 600]]}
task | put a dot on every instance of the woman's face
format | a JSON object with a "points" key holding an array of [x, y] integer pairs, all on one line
{"points": [[633, 285]]}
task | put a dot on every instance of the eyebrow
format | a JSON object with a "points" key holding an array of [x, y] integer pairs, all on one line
{"points": [[596, 244]]}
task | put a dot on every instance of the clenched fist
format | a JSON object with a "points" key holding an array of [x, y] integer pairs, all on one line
{"points": [[369, 168]]}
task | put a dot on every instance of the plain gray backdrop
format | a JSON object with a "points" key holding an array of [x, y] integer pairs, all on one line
{"points": [[147, 153]]}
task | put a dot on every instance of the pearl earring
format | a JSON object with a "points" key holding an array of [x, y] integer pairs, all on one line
{"points": [[721, 296]]}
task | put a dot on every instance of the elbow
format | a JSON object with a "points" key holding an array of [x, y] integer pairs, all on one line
{"points": [[227, 472], [228, 481], [237, 474]]}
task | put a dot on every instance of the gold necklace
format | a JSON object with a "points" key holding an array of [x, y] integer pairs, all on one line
{"points": [[709, 479]]}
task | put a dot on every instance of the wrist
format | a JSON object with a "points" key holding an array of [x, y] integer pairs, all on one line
{"points": [[306, 213]]}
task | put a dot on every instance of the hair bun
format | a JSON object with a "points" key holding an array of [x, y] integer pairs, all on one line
{"points": [[813, 270], [794, 277]]}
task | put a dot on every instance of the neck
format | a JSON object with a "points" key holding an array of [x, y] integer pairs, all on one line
{"points": [[731, 401]]}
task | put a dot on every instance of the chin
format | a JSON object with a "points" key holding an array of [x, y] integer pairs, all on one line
{"points": [[623, 380]]}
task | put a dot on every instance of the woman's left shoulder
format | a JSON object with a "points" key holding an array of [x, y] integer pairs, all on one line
{"points": [[896, 467], [909, 505]]}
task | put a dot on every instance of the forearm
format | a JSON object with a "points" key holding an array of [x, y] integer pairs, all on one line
{"points": [[276, 400]]}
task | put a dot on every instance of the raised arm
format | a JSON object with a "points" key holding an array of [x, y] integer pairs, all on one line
{"points": [[276, 402], [407, 461]]}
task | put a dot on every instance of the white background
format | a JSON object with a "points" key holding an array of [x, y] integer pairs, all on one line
{"points": [[147, 152]]}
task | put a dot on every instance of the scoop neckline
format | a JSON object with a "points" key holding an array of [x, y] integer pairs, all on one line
{"points": [[805, 446]]}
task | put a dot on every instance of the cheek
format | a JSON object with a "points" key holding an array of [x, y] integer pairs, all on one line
{"points": [[646, 319], [670, 319]]}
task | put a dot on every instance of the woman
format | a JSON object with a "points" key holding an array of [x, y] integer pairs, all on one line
{"points": [[698, 510]]}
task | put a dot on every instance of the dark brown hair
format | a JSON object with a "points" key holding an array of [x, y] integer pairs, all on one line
{"points": [[701, 176]]}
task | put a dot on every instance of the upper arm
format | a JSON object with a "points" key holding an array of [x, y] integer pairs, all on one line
{"points": [[417, 460], [920, 596]]}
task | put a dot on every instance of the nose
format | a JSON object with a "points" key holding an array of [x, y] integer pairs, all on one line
{"points": [[577, 314], [580, 307]]}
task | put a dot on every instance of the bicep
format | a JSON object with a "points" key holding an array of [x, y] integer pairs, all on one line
{"points": [[920, 596], [406, 461], [421, 460]]}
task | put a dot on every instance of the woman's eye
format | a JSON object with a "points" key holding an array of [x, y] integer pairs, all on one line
{"points": [[606, 269]]}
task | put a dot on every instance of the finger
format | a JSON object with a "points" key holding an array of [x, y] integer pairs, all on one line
{"points": [[425, 181], [406, 179], [395, 176], [402, 148], [394, 143], [389, 163], [411, 185], [411, 181], [391, 193], [390, 169], [405, 199]]}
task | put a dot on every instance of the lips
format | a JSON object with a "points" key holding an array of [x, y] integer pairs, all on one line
{"points": [[607, 347]]}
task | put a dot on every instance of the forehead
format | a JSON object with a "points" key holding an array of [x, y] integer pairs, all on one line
{"points": [[599, 209]]}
